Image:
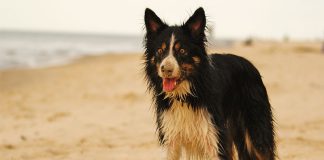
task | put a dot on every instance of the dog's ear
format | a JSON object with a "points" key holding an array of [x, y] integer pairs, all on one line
{"points": [[196, 24], [153, 23]]}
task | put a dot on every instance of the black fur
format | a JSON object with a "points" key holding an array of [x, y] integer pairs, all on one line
{"points": [[229, 86]]}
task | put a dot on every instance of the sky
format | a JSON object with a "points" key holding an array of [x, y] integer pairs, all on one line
{"points": [[273, 19]]}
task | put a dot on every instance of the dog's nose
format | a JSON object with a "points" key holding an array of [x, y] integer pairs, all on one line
{"points": [[167, 70]]}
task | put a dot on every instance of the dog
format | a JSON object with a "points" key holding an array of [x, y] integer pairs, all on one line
{"points": [[208, 106]]}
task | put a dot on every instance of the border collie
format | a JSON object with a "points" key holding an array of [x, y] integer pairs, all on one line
{"points": [[208, 106]]}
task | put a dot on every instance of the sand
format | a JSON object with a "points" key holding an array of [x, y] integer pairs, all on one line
{"points": [[98, 108]]}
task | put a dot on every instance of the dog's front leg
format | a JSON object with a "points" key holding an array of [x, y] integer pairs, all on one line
{"points": [[173, 150]]}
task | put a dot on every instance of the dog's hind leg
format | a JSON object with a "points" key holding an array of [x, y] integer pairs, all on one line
{"points": [[255, 136], [253, 130], [242, 151], [259, 142], [256, 128]]}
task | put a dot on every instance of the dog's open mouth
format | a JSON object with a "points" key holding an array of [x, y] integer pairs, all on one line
{"points": [[169, 84]]}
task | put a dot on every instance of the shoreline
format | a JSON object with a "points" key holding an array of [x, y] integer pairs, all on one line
{"points": [[68, 61]]}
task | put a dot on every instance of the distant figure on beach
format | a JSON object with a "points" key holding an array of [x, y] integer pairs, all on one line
{"points": [[286, 39], [248, 42]]}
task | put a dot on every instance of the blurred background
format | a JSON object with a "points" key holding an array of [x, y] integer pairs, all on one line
{"points": [[71, 80]]}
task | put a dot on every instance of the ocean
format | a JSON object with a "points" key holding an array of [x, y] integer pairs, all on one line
{"points": [[42, 49]]}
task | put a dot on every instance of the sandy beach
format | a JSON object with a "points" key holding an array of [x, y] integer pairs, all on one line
{"points": [[97, 108]]}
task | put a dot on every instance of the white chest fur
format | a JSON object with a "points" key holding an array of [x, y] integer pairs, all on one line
{"points": [[191, 130]]}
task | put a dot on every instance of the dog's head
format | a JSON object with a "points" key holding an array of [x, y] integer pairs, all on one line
{"points": [[175, 52]]}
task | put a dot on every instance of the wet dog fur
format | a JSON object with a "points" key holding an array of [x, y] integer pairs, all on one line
{"points": [[207, 106]]}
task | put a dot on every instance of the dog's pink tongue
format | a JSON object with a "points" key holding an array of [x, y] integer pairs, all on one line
{"points": [[169, 84]]}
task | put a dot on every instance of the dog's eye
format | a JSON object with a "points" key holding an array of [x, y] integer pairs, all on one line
{"points": [[160, 51], [182, 51]]}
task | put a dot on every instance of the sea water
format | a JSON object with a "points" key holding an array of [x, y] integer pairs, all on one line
{"points": [[41, 49]]}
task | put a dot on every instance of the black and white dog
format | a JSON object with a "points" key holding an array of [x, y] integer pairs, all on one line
{"points": [[209, 106]]}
